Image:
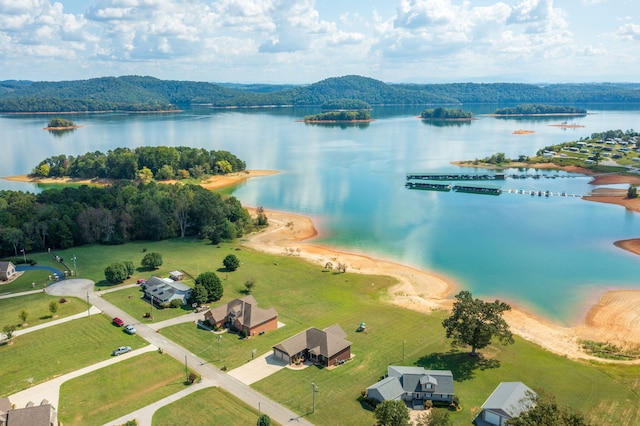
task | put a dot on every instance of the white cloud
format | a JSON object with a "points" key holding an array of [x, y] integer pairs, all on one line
{"points": [[629, 32]]}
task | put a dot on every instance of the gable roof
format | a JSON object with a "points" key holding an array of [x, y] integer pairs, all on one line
{"points": [[4, 265], [38, 415], [163, 289], [401, 379], [327, 342], [245, 310], [388, 388], [509, 399]]}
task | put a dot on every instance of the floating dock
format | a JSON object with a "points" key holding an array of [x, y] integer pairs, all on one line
{"points": [[454, 176], [472, 189], [428, 186]]}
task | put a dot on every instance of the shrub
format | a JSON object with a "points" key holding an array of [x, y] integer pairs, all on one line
{"points": [[231, 262], [115, 273], [130, 267], [152, 260], [175, 303]]}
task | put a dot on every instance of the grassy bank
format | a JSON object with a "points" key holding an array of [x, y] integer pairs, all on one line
{"points": [[37, 306]]}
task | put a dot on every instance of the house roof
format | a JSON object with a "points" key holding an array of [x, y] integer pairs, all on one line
{"points": [[327, 342], [164, 288], [245, 310], [4, 265], [509, 399], [39, 415], [389, 388], [410, 379]]}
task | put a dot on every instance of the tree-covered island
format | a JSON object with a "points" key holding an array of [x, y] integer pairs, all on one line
{"points": [[339, 116], [57, 123], [537, 109], [446, 114]]}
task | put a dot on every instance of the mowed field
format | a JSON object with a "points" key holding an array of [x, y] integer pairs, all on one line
{"points": [[307, 296]]}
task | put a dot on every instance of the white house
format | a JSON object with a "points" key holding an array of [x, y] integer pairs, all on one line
{"points": [[508, 400], [164, 290]]}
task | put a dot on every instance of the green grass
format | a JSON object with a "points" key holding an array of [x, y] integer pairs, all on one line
{"points": [[37, 306], [130, 300], [26, 281], [202, 407], [45, 354], [111, 392]]}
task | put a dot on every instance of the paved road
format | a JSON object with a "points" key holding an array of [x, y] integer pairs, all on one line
{"points": [[81, 287]]}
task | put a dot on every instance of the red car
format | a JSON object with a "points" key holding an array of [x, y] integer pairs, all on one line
{"points": [[117, 321]]}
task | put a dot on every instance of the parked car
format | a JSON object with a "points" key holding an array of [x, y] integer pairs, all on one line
{"points": [[121, 350], [130, 329], [141, 281], [117, 321]]}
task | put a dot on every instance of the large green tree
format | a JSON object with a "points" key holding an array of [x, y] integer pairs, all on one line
{"points": [[392, 413], [116, 273], [545, 411], [475, 322], [213, 285], [231, 262], [152, 260]]}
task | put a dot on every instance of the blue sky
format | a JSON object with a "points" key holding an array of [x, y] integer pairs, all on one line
{"points": [[303, 41]]}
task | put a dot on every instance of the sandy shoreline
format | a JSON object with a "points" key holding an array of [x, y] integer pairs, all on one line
{"points": [[614, 318]]}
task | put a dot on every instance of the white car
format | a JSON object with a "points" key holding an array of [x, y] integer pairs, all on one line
{"points": [[121, 350], [130, 329]]}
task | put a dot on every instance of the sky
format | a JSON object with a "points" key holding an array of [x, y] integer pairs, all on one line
{"points": [[304, 41]]}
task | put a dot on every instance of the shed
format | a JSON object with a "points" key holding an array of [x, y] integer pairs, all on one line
{"points": [[176, 275], [7, 270], [508, 400]]}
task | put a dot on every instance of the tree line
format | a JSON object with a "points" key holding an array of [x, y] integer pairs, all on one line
{"points": [[339, 116], [445, 114], [145, 163], [531, 109], [115, 214]]}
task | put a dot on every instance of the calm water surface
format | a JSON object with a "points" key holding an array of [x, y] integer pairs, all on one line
{"points": [[551, 255]]}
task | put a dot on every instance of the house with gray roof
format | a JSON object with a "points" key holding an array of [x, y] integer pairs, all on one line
{"points": [[413, 385], [7, 270], [508, 400], [163, 290], [31, 415], [243, 314], [325, 347]]}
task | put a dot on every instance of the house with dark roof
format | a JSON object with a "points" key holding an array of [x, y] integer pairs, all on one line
{"points": [[413, 385], [32, 415], [7, 270], [325, 347], [508, 400], [163, 290], [244, 315]]}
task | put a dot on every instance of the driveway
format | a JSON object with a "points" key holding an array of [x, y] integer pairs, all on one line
{"points": [[257, 369]]}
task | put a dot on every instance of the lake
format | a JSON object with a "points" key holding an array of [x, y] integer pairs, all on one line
{"points": [[553, 256]]}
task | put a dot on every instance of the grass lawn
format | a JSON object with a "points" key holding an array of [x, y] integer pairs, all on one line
{"points": [[130, 300], [57, 350], [37, 306], [206, 407], [26, 281], [111, 392]]}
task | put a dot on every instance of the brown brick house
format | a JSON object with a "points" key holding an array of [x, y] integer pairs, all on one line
{"points": [[326, 347], [243, 314]]}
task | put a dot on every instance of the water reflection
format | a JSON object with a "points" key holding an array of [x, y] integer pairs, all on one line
{"points": [[339, 124], [447, 123], [60, 133]]}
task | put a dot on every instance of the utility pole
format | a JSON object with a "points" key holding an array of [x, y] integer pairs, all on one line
{"points": [[186, 371], [75, 271], [88, 305], [219, 341]]}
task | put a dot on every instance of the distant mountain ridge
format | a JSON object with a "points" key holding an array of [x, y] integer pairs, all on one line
{"points": [[143, 93]]}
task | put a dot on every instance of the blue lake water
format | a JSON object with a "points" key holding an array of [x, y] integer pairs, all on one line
{"points": [[551, 255]]}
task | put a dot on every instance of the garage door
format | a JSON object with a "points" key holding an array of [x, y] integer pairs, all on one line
{"points": [[492, 418]]}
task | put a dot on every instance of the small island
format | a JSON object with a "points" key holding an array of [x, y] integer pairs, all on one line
{"points": [[446, 114], [345, 104], [360, 116], [57, 123], [537, 109]]}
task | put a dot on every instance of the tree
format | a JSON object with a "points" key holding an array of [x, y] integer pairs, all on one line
{"points": [[145, 175], [213, 285], [264, 420], [23, 315], [231, 262], [261, 217], [434, 417], [199, 295], [9, 330], [249, 284], [152, 260], [129, 267], [53, 307], [545, 411], [115, 273], [632, 192], [475, 322], [392, 413]]}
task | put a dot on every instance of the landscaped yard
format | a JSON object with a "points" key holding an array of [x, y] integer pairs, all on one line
{"points": [[206, 407], [111, 392], [34, 279], [37, 307], [60, 349], [130, 300]]}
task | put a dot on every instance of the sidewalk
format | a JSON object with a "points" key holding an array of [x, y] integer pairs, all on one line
{"points": [[50, 390], [144, 416]]}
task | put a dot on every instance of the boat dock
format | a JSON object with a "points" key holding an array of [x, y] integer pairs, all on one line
{"points": [[454, 176], [428, 185]]}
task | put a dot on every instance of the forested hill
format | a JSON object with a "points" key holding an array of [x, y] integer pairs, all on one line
{"points": [[136, 93]]}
